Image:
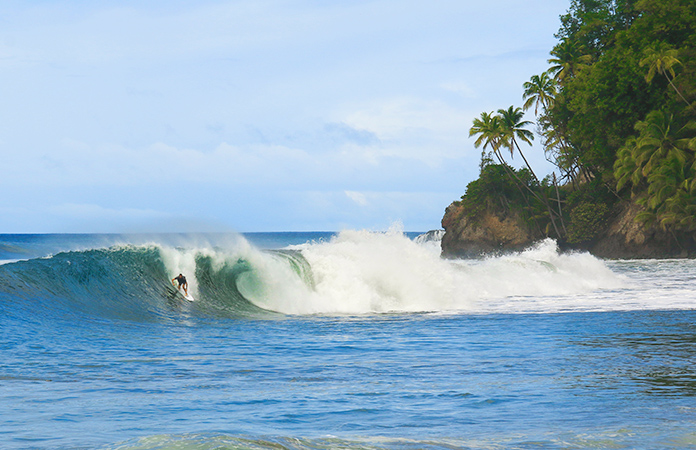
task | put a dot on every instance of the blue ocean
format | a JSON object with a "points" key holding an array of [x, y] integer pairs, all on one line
{"points": [[350, 340]]}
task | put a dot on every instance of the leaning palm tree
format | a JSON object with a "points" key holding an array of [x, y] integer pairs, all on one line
{"points": [[490, 132], [514, 129], [540, 90], [662, 59]]}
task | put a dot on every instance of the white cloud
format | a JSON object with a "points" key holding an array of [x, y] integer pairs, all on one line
{"points": [[357, 197]]}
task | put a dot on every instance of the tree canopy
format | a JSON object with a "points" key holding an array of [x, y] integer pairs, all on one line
{"points": [[615, 112]]}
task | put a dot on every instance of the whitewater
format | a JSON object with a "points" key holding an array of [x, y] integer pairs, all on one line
{"points": [[353, 340]]}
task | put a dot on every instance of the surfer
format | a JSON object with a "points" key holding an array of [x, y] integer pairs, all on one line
{"points": [[182, 282]]}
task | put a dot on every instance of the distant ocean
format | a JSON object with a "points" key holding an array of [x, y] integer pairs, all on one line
{"points": [[351, 340]]}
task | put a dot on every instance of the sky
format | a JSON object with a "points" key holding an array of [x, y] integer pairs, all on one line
{"points": [[259, 115]]}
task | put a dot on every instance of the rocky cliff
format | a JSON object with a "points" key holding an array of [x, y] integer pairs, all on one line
{"points": [[489, 233], [621, 237]]}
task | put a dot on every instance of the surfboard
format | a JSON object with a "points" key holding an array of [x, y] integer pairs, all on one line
{"points": [[188, 296]]}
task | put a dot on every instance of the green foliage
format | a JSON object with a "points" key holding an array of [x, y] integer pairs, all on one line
{"points": [[604, 102], [594, 191], [628, 115], [616, 112], [494, 190], [597, 107], [586, 221], [660, 165], [539, 91]]}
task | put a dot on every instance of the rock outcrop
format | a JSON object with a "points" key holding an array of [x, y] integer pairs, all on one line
{"points": [[621, 238], [487, 234], [625, 238]]}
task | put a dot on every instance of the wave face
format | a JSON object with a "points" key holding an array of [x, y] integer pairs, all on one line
{"points": [[127, 282], [355, 272]]}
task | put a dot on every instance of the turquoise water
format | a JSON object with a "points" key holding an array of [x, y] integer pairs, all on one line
{"points": [[361, 340]]}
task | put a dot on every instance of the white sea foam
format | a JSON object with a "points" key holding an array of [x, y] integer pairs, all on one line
{"points": [[541, 279], [183, 261], [366, 272], [363, 272]]}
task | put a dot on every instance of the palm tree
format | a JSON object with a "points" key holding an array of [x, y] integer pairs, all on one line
{"points": [[513, 129], [625, 168], [490, 132], [567, 60], [662, 59], [490, 135], [493, 132], [540, 90], [681, 208], [662, 156], [681, 211], [660, 138]]}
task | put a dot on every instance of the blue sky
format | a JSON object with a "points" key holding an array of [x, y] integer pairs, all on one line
{"points": [[263, 115]]}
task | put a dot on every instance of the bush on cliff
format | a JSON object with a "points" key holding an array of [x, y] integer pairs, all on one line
{"points": [[587, 220]]}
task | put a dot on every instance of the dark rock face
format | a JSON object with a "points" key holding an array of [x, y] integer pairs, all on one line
{"points": [[622, 238], [625, 238], [488, 234]]}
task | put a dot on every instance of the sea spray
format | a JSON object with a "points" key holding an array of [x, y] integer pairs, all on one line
{"points": [[540, 279], [543, 270], [181, 261], [361, 272]]}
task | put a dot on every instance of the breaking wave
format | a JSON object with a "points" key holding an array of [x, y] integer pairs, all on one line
{"points": [[355, 272]]}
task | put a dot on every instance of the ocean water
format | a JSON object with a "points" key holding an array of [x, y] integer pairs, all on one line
{"points": [[356, 340]]}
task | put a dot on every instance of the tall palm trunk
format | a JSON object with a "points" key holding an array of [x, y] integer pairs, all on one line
{"points": [[518, 183], [545, 199], [680, 94], [514, 141]]}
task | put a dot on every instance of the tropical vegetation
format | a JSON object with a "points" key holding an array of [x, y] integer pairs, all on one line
{"points": [[615, 113]]}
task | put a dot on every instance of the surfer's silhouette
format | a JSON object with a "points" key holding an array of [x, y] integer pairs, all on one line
{"points": [[182, 283]]}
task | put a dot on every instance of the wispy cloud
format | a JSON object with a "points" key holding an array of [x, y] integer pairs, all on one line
{"points": [[357, 197]]}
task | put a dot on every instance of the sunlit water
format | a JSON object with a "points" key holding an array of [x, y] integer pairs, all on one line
{"points": [[361, 340]]}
